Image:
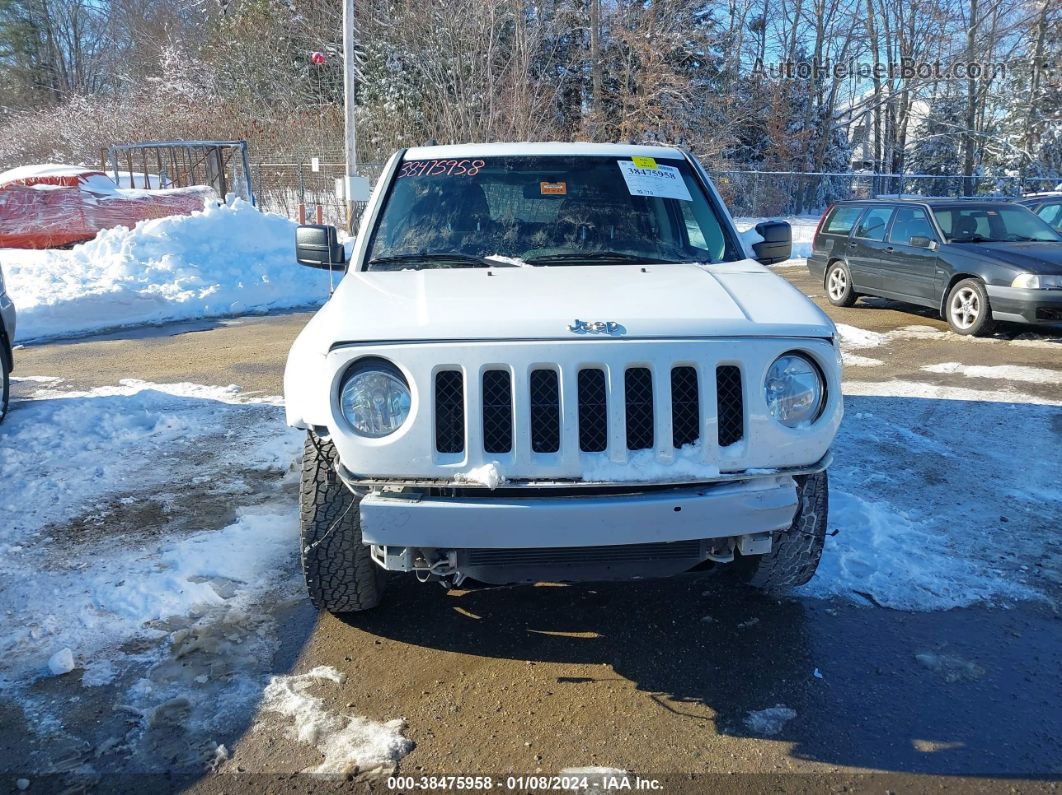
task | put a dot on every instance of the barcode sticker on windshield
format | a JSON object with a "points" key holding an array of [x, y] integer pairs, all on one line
{"points": [[662, 182]]}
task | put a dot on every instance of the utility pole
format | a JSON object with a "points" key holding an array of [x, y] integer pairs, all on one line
{"points": [[350, 134], [595, 65]]}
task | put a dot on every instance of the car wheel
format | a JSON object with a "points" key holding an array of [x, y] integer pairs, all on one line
{"points": [[839, 285], [967, 309], [5, 381], [341, 576], [795, 552]]}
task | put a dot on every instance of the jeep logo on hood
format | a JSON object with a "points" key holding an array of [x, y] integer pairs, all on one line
{"points": [[596, 327]]}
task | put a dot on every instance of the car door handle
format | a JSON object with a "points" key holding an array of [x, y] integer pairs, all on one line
{"points": [[890, 249], [851, 244]]}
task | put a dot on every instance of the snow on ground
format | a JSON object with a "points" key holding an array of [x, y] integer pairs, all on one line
{"points": [[857, 338], [1003, 372], [769, 721], [144, 526], [349, 744], [933, 508], [226, 260]]}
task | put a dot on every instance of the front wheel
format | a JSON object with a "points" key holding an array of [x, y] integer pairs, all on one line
{"points": [[340, 573], [795, 552], [967, 309], [839, 289]]}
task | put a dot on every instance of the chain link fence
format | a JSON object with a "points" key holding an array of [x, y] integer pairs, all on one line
{"points": [[295, 188], [291, 186], [782, 193]]}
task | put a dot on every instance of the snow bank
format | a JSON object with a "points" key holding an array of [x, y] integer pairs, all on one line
{"points": [[225, 260]]}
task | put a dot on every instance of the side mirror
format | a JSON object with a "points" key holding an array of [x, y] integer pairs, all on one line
{"points": [[921, 241], [318, 246], [777, 243]]}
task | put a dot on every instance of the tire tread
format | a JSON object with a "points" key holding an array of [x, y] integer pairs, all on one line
{"points": [[795, 552], [341, 576]]}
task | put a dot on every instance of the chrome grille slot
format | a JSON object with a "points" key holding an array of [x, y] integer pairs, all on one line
{"points": [[593, 411], [730, 405], [449, 412], [497, 411], [685, 407], [638, 390], [545, 411]]}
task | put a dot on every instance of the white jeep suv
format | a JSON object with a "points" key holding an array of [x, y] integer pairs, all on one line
{"points": [[558, 362]]}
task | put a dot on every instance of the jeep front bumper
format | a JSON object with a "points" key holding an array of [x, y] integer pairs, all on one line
{"points": [[713, 510]]}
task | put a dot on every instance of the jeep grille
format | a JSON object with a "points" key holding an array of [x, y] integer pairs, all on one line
{"points": [[544, 401]]}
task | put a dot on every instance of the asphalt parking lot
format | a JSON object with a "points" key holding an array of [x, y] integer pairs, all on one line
{"points": [[664, 678]]}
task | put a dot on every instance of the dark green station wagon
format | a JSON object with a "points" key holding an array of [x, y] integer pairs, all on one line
{"points": [[976, 262]]}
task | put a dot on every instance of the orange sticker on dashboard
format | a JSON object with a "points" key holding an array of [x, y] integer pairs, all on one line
{"points": [[553, 188]]}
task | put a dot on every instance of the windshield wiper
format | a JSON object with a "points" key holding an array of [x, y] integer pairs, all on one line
{"points": [[452, 258], [575, 257]]}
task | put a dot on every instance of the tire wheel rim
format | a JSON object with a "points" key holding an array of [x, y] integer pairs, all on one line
{"points": [[965, 307], [838, 284]]}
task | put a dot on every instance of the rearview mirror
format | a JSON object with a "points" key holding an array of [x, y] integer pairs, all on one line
{"points": [[318, 246], [777, 243], [921, 241]]}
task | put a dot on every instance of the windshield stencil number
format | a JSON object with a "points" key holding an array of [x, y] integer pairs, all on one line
{"points": [[438, 168]]}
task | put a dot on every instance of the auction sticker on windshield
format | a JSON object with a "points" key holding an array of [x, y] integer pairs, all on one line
{"points": [[662, 182]]}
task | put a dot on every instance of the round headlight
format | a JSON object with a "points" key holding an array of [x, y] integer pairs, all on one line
{"points": [[375, 398], [794, 389]]}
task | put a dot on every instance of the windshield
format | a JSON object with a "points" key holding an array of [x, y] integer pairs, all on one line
{"points": [[992, 224], [545, 210]]}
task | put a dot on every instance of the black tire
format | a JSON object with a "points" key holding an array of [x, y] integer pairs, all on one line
{"points": [[795, 553], [5, 381], [967, 309], [340, 574], [838, 284]]}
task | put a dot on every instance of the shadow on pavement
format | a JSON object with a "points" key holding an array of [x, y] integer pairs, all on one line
{"points": [[876, 705]]}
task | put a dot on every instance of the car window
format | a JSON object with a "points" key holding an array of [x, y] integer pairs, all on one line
{"points": [[911, 222], [841, 220], [1052, 214], [993, 223], [546, 210], [873, 223]]}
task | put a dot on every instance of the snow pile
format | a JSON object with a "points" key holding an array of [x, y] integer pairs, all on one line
{"points": [[349, 744], [856, 338], [226, 260], [84, 503], [489, 475]]}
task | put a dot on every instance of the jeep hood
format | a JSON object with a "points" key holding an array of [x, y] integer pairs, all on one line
{"points": [[662, 301]]}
